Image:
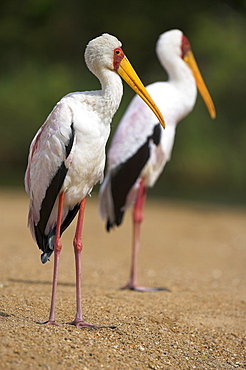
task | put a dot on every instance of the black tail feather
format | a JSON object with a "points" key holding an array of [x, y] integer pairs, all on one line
{"points": [[48, 240], [110, 225]]}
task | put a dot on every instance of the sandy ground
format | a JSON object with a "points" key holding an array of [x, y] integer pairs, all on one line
{"points": [[197, 251]]}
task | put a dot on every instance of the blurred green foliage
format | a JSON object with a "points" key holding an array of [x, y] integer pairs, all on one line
{"points": [[42, 46]]}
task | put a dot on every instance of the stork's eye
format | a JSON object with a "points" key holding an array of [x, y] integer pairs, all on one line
{"points": [[118, 51], [118, 56]]}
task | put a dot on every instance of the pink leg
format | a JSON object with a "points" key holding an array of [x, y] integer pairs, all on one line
{"points": [[57, 251], [77, 243], [138, 216], [137, 220]]}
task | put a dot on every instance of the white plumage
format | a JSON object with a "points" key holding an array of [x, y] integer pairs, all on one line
{"points": [[85, 164], [139, 145], [67, 155]]}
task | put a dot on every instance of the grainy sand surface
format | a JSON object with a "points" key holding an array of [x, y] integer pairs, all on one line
{"points": [[197, 251]]}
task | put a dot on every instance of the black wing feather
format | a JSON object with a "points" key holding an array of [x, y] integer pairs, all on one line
{"points": [[45, 242], [127, 174]]}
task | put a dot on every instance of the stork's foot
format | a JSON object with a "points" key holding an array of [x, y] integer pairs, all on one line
{"points": [[81, 324], [138, 288], [49, 322]]}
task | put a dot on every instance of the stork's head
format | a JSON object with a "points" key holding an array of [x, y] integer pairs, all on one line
{"points": [[99, 52], [173, 44], [103, 54]]}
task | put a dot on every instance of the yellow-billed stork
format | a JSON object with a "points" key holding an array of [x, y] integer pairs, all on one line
{"points": [[67, 156], [140, 148]]}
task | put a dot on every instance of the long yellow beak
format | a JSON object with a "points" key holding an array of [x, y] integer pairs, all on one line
{"points": [[190, 60], [127, 72]]}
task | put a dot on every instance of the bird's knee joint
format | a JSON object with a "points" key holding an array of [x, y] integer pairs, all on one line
{"points": [[138, 216], [57, 246], [77, 245]]}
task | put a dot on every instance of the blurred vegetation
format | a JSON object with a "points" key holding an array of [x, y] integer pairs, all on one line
{"points": [[42, 46]]}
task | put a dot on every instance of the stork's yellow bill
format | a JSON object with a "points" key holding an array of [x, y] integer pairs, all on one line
{"points": [[191, 61]]}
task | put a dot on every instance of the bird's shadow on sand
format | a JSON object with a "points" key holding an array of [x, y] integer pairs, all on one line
{"points": [[22, 281], [39, 282]]}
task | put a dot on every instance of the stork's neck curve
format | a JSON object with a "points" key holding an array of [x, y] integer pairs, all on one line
{"points": [[111, 94], [182, 84], [178, 71]]}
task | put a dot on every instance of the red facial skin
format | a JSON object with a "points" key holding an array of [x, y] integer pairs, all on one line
{"points": [[118, 56], [185, 47]]}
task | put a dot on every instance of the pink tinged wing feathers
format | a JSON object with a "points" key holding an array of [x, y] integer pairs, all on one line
{"points": [[47, 152], [130, 136]]}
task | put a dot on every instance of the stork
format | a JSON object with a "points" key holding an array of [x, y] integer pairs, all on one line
{"points": [[140, 148], [67, 157]]}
